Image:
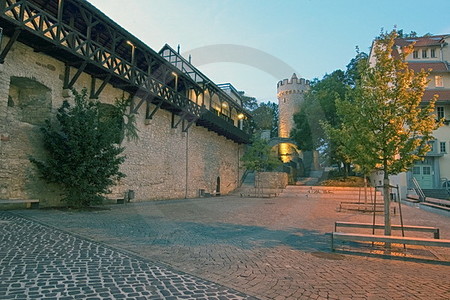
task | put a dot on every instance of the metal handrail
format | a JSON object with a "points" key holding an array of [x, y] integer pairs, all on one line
{"points": [[445, 184], [418, 189]]}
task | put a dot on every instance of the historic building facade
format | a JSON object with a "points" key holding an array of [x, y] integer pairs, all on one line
{"points": [[431, 53], [191, 132]]}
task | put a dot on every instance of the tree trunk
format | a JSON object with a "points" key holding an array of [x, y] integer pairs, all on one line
{"points": [[387, 211], [365, 189]]}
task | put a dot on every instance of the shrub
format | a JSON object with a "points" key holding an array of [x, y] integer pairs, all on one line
{"points": [[84, 154]]}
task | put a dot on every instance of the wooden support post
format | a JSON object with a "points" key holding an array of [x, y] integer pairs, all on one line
{"points": [[2, 4], [96, 93], [182, 117], [149, 114], [8, 46], [68, 83]]}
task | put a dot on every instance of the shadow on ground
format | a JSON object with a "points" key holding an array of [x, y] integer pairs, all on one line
{"points": [[244, 236]]}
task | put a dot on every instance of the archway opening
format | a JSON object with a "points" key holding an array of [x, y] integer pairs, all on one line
{"points": [[30, 99]]}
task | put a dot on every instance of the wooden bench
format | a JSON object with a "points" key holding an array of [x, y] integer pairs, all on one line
{"points": [[433, 230], [360, 206], [412, 198], [386, 239], [34, 203], [441, 202], [116, 198], [437, 206], [259, 195]]}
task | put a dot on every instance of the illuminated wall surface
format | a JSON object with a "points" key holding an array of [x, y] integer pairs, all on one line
{"points": [[286, 152]]}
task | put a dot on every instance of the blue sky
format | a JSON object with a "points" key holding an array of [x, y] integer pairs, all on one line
{"points": [[255, 43]]}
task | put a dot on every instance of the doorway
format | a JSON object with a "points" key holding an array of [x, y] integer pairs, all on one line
{"points": [[424, 175], [218, 186]]}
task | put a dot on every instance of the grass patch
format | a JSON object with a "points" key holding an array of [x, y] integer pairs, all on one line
{"points": [[349, 181]]}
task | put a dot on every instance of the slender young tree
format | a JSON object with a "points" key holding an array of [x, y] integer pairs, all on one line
{"points": [[384, 124]]}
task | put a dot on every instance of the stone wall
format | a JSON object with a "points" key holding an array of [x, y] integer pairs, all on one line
{"points": [[271, 180], [164, 163]]}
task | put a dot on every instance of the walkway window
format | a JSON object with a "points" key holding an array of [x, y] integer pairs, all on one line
{"points": [[433, 52], [424, 53]]}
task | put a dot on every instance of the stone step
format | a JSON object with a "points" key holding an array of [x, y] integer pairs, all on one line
{"points": [[307, 181], [437, 201], [326, 188], [436, 193], [253, 192], [333, 193]]}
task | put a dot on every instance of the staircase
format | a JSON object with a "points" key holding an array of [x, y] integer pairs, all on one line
{"points": [[249, 190], [313, 179], [436, 193]]}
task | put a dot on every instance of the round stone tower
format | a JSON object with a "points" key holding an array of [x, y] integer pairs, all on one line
{"points": [[290, 94]]}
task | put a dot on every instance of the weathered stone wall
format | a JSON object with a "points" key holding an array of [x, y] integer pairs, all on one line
{"points": [[272, 180], [164, 163]]}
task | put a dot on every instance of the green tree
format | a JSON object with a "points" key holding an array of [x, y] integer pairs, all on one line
{"points": [[319, 106], [258, 157], [249, 103], [265, 117], [384, 126], [83, 148]]}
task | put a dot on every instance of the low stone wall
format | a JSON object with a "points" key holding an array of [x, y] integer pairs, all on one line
{"points": [[271, 180]]}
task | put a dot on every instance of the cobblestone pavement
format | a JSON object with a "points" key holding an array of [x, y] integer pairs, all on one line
{"points": [[39, 262], [276, 248]]}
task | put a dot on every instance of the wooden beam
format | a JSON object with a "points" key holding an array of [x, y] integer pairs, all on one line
{"points": [[45, 49], [2, 4], [135, 108], [182, 117], [94, 93], [185, 128], [8, 46], [387, 239], [149, 115], [68, 83]]}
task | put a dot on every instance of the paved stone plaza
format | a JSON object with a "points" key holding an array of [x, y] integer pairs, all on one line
{"points": [[211, 248]]}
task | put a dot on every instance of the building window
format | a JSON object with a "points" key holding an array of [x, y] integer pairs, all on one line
{"points": [[426, 170], [416, 54], [443, 147], [438, 82], [433, 52], [424, 53], [440, 112]]}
